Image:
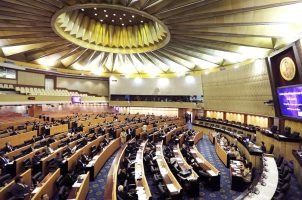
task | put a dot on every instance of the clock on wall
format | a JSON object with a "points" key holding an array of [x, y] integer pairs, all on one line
{"points": [[287, 69]]}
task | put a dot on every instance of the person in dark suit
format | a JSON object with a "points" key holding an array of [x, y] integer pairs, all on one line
{"points": [[3, 160], [20, 189], [263, 148], [8, 147]]}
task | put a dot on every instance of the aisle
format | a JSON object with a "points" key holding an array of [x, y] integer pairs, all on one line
{"points": [[97, 187], [207, 149]]}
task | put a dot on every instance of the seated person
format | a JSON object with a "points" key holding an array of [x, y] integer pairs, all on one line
{"points": [[36, 158], [20, 189], [263, 148], [44, 197], [247, 174], [8, 147], [48, 149], [4, 161], [122, 194]]}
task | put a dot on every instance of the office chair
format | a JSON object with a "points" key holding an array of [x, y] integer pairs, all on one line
{"points": [[38, 177], [287, 131], [27, 164], [5, 179], [271, 150], [295, 135], [274, 129]]}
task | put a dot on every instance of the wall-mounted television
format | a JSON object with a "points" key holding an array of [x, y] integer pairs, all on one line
{"points": [[290, 101], [76, 99]]}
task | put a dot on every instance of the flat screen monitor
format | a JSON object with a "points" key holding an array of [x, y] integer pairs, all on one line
{"points": [[76, 99], [290, 100]]}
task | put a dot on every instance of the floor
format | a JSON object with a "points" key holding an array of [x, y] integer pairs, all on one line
{"points": [[97, 187], [206, 148]]}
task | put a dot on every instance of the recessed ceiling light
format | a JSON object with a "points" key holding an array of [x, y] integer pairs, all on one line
{"points": [[133, 16], [123, 24], [105, 10], [112, 20], [101, 20], [95, 14], [94, 8], [121, 18], [106, 15], [130, 20], [124, 14], [114, 14], [82, 9], [142, 21]]}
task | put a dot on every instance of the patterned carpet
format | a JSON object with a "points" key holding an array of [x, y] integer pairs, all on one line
{"points": [[96, 188], [207, 149]]}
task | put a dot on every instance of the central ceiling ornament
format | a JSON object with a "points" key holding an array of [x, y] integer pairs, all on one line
{"points": [[110, 28]]}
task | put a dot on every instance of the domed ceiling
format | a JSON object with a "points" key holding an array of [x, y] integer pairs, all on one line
{"points": [[144, 37]]}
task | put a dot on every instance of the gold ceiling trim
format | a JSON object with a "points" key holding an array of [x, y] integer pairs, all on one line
{"points": [[71, 24]]}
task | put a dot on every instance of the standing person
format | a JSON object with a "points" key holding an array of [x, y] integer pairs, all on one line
{"points": [[123, 136]]}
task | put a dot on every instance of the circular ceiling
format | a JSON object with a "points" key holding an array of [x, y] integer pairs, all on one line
{"points": [[110, 28], [170, 37]]}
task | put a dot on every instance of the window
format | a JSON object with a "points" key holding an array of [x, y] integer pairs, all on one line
{"points": [[7, 73]]}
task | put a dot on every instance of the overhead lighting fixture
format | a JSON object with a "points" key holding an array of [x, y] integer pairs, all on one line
{"points": [[133, 16], [114, 14], [121, 18], [113, 20], [124, 14], [106, 15], [101, 20], [95, 14], [105, 10], [94, 8], [123, 24], [82, 9], [130, 21], [142, 21]]}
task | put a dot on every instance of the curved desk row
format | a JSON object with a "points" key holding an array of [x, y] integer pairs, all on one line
{"points": [[111, 185], [282, 145], [170, 181], [252, 154], [246, 130], [142, 187], [265, 187]]}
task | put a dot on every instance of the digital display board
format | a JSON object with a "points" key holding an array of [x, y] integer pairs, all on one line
{"points": [[290, 100], [76, 99]]}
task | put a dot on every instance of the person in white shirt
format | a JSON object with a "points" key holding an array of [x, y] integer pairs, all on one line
{"points": [[49, 150], [123, 136]]}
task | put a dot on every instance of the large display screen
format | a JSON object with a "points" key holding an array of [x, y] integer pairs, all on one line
{"points": [[290, 100], [76, 99]]}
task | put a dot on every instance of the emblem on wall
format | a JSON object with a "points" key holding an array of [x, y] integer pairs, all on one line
{"points": [[287, 69]]}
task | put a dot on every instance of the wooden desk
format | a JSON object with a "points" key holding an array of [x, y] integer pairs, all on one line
{"points": [[270, 183], [170, 181], [182, 163], [80, 188], [221, 153], [17, 139], [282, 146], [98, 161], [236, 173], [111, 185], [142, 187], [4, 191], [58, 129], [208, 167], [47, 186]]}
